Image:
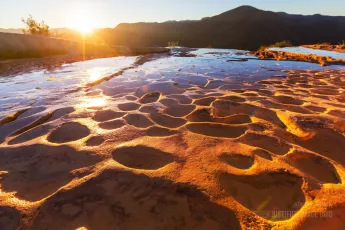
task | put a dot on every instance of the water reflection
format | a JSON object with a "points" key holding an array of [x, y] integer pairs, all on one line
{"points": [[66, 86], [93, 102], [59, 87], [95, 73], [303, 50]]}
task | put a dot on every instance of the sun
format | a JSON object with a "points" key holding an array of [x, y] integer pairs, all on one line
{"points": [[81, 20], [84, 28]]}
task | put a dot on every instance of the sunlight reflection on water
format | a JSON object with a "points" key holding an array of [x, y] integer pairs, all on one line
{"points": [[95, 73], [93, 102]]}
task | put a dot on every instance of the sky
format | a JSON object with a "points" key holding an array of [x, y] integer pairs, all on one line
{"points": [[109, 13]]}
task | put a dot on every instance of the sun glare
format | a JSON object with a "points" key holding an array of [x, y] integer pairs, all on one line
{"points": [[84, 28], [80, 20], [95, 73], [93, 102]]}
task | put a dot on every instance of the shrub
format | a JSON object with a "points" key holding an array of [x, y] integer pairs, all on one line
{"points": [[341, 45], [34, 27], [280, 44]]}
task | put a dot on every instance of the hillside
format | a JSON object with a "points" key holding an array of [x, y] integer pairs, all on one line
{"points": [[242, 28], [14, 46], [11, 30]]}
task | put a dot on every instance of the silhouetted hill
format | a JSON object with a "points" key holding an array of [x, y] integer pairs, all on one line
{"points": [[242, 28]]}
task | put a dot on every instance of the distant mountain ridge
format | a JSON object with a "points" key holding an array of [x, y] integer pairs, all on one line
{"points": [[11, 30], [52, 30], [244, 27]]}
